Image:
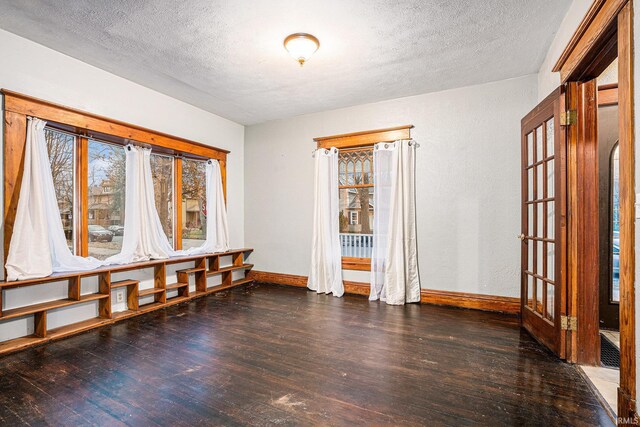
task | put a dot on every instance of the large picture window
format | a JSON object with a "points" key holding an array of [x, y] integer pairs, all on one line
{"points": [[106, 198], [355, 182], [61, 150], [194, 198], [162, 175]]}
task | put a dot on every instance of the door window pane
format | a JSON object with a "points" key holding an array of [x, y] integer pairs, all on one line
{"points": [[539, 258], [539, 290], [540, 230], [60, 147], [550, 301], [530, 148], [530, 255], [550, 179], [107, 171], [194, 200], [551, 220], [540, 181], [539, 142], [550, 138], [530, 280], [530, 219], [162, 175], [551, 261], [530, 196]]}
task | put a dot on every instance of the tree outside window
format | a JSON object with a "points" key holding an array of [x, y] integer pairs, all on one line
{"points": [[355, 182]]}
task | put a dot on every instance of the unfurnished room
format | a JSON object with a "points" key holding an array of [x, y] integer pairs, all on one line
{"points": [[306, 212]]}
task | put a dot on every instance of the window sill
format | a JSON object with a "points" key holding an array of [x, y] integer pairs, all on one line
{"points": [[361, 264]]}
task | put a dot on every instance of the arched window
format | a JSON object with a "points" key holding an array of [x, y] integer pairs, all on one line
{"points": [[358, 177], [350, 172]]}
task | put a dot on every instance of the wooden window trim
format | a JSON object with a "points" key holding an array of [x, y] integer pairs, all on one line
{"points": [[360, 140], [17, 107], [364, 138], [360, 264]]}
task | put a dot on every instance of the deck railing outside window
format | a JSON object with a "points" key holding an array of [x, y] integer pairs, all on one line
{"points": [[356, 245]]}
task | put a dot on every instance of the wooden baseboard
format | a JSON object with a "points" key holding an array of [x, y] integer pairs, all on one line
{"points": [[509, 305]]}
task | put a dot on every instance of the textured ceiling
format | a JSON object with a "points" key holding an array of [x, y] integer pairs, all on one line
{"points": [[226, 56]]}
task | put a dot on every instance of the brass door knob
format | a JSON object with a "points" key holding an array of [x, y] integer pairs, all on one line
{"points": [[521, 237]]}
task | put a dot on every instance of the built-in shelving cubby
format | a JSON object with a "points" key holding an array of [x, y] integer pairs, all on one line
{"points": [[152, 292]]}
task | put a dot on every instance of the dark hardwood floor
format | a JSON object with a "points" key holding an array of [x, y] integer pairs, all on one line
{"points": [[265, 354]]}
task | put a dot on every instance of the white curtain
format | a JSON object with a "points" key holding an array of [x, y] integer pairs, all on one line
{"points": [[143, 237], [38, 245], [394, 263], [326, 260], [217, 239], [382, 155]]}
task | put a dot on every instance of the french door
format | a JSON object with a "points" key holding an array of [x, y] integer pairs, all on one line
{"points": [[543, 237]]}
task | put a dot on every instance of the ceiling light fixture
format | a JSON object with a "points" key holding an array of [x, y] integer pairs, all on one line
{"points": [[301, 46]]}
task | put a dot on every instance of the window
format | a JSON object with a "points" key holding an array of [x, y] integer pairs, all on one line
{"points": [[615, 220], [60, 147], [194, 209], [355, 180], [106, 198], [353, 218], [162, 175]]}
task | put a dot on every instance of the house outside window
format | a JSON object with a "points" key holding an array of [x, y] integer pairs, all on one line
{"points": [[355, 181]]}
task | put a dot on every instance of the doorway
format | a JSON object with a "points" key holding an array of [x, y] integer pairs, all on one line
{"points": [[598, 267], [609, 218]]}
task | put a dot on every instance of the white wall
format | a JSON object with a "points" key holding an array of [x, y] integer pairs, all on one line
{"points": [[35, 70], [468, 183], [548, 81]]}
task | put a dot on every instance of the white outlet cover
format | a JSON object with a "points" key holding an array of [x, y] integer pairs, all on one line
{"points": [[119, 296]]}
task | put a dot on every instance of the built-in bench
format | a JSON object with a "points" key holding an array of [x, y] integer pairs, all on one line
{"points": [[205, 265]]}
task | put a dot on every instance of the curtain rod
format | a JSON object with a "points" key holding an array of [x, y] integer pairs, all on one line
{"points": [[411, 142], [66, 132], [130, 141]]}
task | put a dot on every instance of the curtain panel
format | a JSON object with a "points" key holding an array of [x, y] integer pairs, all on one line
{"points": [[38, 245], [326, 260], [394, 261]]}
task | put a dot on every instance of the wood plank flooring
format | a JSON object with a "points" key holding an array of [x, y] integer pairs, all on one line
{"points": [[264, 355]]}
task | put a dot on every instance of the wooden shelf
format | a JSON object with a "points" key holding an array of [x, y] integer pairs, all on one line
{"points": [[190, 270], [123, 314], [150, 291], [20, 343], [219, 288], [123, 283], [116, 268], [103, 297], [174, 286], [177, 300], [150, 307], [230, 268], [49, 305], [75, 328]]}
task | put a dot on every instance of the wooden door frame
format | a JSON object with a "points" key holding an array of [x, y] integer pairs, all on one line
{"points": [[606, 32]]}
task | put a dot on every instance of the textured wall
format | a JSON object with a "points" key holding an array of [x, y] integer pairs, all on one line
{"points": [[38, 71], [547, 80], [467, 179]]}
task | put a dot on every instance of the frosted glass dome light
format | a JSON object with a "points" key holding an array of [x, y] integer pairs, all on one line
{"points": [[301, 46]]}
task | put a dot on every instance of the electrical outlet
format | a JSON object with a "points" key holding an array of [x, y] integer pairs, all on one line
{"points": [[119, 296]]}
